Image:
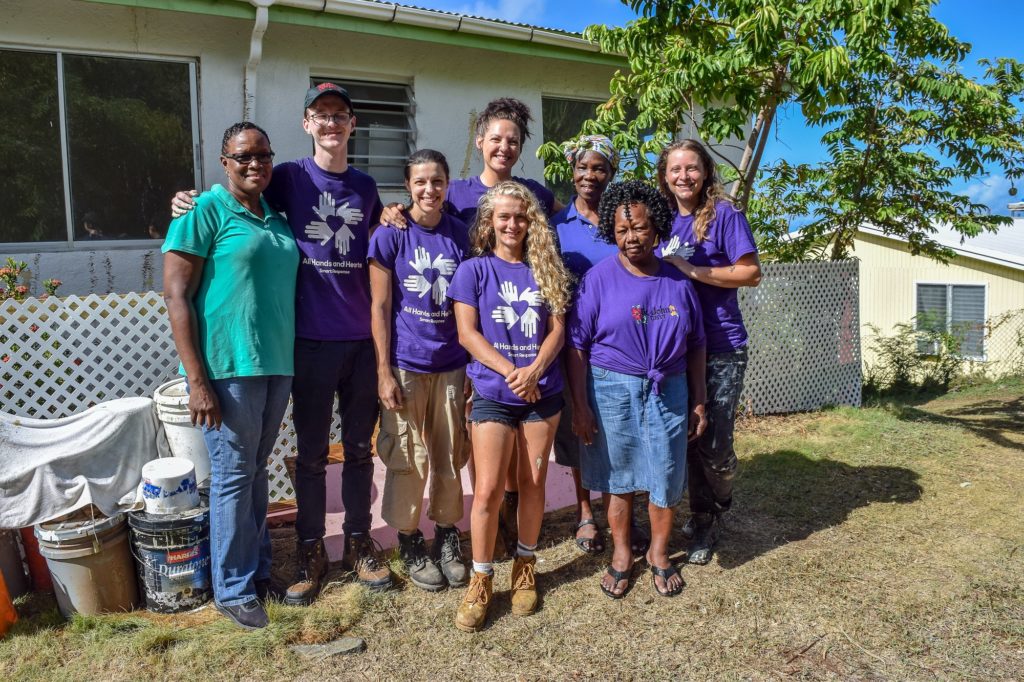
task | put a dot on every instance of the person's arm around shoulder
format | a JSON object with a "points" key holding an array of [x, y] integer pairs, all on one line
{"points": [[737, 242]]}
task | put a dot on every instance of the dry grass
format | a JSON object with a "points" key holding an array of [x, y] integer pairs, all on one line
{"points": [[882, 543]]}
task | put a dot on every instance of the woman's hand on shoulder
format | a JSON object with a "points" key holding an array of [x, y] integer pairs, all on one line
{"points": [[203, 407], [684, 266], [393, 215], [698, 422]]}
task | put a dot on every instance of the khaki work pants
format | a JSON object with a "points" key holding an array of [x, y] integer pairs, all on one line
{"points": [[426, 437]]}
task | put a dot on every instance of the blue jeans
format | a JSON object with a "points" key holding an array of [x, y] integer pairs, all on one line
{"points": [[252, 409], [323, 369], [640, 442], [713, 461]]}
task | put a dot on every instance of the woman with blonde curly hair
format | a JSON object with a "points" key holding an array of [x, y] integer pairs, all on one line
{"points": [[509, 307], [711, 243]]}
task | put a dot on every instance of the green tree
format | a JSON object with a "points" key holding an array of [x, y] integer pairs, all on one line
{"points": [[900, 123]]}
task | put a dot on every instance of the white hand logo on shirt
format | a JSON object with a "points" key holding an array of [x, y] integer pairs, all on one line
{"points": [[507, 315], [322, 232], [418, 284], [674, 248]]}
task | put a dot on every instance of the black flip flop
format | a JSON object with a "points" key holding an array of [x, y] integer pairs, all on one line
{"points": [[594, 545], [665, 574], [619, 577]]}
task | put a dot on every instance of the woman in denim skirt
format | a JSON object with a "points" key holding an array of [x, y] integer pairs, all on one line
{"points": [[637, 377], [711, 243]]}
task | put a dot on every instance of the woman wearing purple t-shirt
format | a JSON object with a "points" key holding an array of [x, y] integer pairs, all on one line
{"points": [[509, 306], [712, 244], [637, 378], [421, 370]]}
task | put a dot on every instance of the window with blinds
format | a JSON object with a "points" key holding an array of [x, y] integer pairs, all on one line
{"points": [[958, 309], [385, 132]]}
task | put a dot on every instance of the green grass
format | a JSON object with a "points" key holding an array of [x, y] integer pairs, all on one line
{"points": [[877, 543]]}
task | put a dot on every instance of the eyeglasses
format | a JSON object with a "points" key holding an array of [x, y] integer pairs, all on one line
{"points": [[246, 159], [325, 119]]}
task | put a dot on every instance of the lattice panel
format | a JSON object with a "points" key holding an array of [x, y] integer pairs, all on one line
{"points": [[60, 356], [804, 346]]}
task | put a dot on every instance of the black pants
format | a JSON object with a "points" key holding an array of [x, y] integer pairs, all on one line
{"points": [[711, 461], [323, 369]]}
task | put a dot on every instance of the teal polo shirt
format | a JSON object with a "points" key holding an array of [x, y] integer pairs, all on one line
{"points": [[245, 303]]}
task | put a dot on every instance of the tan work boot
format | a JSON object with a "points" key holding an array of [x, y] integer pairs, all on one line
{"points": [[311, 569], [361, 558], [524, 585], [473, 610]]}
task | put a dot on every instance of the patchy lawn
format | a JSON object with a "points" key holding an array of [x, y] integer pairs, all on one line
{"points": [[884, 542]]}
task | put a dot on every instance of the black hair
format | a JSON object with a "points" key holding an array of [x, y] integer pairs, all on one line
{"points": [[505, 108], [633, 192], [237, 128], [427, 156]]}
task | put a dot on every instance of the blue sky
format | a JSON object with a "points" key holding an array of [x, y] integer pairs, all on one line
{"points": [[993, 27]]}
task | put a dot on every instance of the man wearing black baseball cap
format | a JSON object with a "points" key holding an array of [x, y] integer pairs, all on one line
{"points": [[330, 207]]}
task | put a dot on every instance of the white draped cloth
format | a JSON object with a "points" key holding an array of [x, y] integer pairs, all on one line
{"points": [[51, 467]]}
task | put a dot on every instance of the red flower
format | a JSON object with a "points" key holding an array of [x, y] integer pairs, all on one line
{"points": [[5, 358], [77, 361], [34, 327]]}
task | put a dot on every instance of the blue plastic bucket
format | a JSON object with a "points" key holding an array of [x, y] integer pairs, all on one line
{"points": [[172, 555]]}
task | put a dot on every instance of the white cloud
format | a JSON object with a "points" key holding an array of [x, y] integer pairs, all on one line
{"points": [[993, 191]]}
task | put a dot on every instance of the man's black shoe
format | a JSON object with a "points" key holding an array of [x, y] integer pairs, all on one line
{"points": [[250, 615]]}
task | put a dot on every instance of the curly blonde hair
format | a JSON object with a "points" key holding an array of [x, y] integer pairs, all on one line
{"points": [[539, 250], [711, 192]]}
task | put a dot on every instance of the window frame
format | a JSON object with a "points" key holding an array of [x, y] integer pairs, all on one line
{"points": [[62, 116], [411, 133], [596, 101], [949, 310]]}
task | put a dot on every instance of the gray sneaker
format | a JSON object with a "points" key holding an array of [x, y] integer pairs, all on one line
{"points": [[423, 572], [706, 531], [447, 553]]}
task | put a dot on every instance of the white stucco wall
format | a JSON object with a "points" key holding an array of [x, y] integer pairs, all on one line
{"points": [[449, 84]]}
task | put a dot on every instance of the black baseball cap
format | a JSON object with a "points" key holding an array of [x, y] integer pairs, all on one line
{"points": [[318, 91]]}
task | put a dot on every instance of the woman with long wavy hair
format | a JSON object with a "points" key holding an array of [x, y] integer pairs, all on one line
{"points": [[510, 304], [711, 243]]}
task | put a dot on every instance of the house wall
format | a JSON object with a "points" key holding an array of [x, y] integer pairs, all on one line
{"points": [[449, 84], [888, 276]]}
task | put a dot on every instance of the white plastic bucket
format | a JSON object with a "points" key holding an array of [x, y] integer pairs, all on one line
{"points": [[184, 439], [169, 485]]}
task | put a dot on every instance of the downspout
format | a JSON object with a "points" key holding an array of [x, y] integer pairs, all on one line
{"points": [[255, 57]]}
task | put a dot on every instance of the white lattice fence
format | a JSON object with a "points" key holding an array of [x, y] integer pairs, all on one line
{"points": [[804, 331]]}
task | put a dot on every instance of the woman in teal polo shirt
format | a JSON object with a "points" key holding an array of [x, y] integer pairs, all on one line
{"points": [[229, 284]]}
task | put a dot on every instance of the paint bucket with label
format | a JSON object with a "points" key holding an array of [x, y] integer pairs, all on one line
{"points": [[169, 485], [184, 439], [90, 563], [172, 554]]}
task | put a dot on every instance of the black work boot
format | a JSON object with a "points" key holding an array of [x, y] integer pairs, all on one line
{"points": [[447, 553], [311, 560], [423, 573], [706, 531]]}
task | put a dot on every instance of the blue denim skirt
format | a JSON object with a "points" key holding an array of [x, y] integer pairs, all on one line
{"points": [[640, 444]]}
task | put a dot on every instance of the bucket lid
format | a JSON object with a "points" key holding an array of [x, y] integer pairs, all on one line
{"points": [[152, 523], [171, 393], [62, 530]]}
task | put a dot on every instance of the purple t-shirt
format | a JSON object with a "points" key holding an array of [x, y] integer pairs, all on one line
{"points": [[636, 325], [513, 318], [464, 195], [581, 245], [330, 215], [728, 239], [422, 262]]}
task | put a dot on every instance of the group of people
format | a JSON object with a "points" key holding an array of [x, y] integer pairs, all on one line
{"points": [[483, 323]]}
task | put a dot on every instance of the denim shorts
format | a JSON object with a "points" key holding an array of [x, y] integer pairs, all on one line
{"points": [[487, 410], [640, 442]]}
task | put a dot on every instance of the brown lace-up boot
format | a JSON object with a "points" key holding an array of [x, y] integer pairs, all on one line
{"points": [[361, 559], [524, 585], [472, 611], [310, 571]]}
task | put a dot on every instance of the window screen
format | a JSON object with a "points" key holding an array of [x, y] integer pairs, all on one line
{"points": [[958, 309]]}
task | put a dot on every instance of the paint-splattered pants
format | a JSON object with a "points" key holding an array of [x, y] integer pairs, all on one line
{"points": [[712, 460]]}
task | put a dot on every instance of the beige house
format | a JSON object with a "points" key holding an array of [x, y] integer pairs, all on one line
{"points": [[978, 295]]}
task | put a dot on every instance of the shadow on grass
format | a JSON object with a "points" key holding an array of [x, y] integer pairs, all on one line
{"points": [[988, 419], [786, 496]]}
